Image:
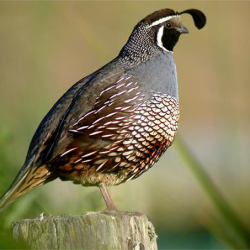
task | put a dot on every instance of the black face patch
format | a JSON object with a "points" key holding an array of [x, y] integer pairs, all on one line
{"points": [[169, 38]]}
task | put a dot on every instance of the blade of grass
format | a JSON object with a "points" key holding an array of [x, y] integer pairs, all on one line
{"points": [[226, 211], [218, 228]]}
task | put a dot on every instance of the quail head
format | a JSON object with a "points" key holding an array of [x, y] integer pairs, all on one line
{"points": [[112, 125]]}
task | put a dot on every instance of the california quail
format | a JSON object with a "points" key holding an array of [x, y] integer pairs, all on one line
{"points": [[113, 125]]}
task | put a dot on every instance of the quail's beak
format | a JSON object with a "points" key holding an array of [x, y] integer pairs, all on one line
{"points": [[182, 29]]}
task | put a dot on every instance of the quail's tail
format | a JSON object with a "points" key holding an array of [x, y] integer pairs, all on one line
{"points": [[13, 192], [28, 178]]}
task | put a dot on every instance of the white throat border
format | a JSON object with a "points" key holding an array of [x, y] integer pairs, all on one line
{"points": [[159, 39]]}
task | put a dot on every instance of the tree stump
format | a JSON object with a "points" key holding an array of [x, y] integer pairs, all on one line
{"points": [[104, 230]]}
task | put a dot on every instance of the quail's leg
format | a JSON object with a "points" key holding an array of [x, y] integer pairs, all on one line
{"points": [[109, 203]]}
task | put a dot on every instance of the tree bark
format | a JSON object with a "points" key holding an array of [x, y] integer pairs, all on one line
{"points": [[104, 230]]}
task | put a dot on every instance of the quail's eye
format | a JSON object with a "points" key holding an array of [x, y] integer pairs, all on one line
{"points": [[168, 25]]}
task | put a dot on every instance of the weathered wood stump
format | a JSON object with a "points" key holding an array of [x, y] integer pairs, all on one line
{"points": [[104, 230]]}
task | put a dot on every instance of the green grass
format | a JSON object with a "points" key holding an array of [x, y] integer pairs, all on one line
{"points": [[232, 231]]}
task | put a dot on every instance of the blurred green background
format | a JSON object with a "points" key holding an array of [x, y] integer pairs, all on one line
{"points": [[45, 47]]}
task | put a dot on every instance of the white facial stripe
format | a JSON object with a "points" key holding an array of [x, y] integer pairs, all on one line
{"points": [[162, 20], [159, 38]]}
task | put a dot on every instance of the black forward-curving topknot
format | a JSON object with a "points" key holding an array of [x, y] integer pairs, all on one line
{"points": [[198, 17]]}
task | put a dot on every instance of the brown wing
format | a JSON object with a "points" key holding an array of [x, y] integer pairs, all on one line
{"points": [[102, 128], [35, 170], [123, 130]]}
